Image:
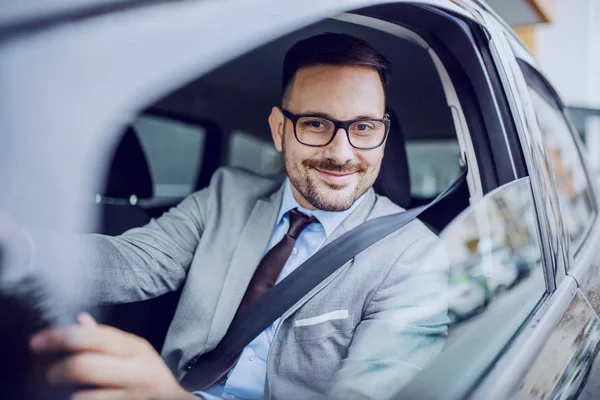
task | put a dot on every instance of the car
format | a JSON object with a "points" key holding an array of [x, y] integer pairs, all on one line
{"points": [[466, 299], [502, 275], [113, 111]]}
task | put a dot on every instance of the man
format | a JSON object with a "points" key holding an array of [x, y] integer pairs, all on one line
{"points": [[363, 332]]}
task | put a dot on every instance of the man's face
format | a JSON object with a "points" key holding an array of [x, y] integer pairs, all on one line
{"points": [[330, 178]]}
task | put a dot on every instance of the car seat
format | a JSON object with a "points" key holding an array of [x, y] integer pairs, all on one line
{"points": [[129, 181], [394, 178]]}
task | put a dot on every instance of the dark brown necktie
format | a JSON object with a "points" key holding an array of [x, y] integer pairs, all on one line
{"points": [[272, 263], [266, 274]]}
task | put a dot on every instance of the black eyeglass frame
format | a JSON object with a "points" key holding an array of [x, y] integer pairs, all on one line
{"points": [[337, 125]]}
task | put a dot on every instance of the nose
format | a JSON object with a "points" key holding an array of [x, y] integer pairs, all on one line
{"points": [[340, 148]]}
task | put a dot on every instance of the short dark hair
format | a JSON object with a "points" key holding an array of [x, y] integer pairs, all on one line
{"points": [[332, 49]]}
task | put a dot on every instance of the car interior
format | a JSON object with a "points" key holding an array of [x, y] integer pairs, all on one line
{"points": [[174, 146]]}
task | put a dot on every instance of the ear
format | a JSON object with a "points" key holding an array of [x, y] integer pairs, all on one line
{"points": [[276, 122]]}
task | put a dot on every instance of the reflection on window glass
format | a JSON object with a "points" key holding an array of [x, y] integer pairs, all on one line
{"points": [[494, 253], [174, 152], [567, 167], [495, 277], [433, 165]]}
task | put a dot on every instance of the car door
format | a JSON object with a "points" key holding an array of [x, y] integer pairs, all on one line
{"points": [[579, 209], [551, 353], [554, 354]]}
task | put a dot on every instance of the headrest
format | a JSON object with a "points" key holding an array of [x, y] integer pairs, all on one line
{"points": [[394, 178], [129, 172]]}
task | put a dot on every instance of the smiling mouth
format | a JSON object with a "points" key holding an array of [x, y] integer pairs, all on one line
{"points": [[334, 175]]}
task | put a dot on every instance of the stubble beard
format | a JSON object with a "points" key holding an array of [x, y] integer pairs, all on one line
{"points": [[304, 182]]}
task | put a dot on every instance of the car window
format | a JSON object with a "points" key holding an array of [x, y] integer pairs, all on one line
{"points": [[494, 252], [249, 152], [567, 167], [433, 165], [495, 280], [174, 153]]}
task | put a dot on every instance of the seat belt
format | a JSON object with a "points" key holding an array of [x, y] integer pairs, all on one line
{"points": [[246, 326]]}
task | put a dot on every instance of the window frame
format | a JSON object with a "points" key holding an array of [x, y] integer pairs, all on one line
{"points": [[506, 49], [456, 97], [474, 91]]}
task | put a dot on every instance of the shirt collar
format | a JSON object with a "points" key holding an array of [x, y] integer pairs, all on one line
{"points": [[330, 220]]}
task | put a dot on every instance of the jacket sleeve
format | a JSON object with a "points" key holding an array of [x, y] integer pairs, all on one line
{"points": [[403, 326], [141, 263]]}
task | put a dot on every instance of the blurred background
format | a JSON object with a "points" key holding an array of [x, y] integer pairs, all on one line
{"points": [[564, 37]]}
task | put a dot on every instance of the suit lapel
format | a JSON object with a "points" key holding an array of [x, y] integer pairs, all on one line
{"points": [[357, 217], [250, 249]]}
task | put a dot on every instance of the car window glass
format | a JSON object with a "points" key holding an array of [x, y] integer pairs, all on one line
{"points": [[249, 152], [433, 165], [567, 167], [174, 152], [494, 253], [493, 259]]}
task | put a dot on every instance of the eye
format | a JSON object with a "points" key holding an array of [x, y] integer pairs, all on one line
{"points": [[314, 124], [364, 127]]}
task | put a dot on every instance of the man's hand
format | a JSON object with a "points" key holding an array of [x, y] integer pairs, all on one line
{"points": [[113, 363]]}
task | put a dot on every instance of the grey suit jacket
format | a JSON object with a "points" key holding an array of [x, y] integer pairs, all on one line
{"points": [[362, 333]]}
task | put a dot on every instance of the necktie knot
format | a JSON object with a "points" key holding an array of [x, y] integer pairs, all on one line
{"points": [[298, 221]]}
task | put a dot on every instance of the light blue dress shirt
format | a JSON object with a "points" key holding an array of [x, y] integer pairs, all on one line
{"points": [[247, 379]]}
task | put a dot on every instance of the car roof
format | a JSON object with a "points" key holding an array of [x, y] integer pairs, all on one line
{"points": [[35, 11]]}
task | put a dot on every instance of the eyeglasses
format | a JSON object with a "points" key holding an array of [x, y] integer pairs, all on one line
{"points": [[318, 131]]}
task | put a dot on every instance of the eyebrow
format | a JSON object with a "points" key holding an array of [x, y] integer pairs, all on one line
{"points": [[329, 116]]}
